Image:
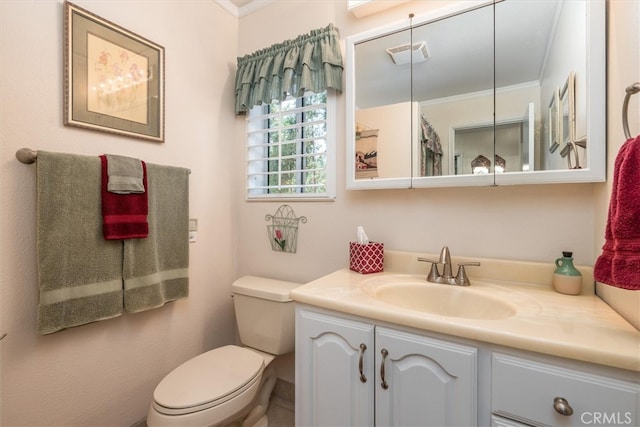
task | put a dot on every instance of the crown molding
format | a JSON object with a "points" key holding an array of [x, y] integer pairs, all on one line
{"points": [[244, 10]]}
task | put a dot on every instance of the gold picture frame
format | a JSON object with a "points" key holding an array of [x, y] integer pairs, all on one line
{"points": [[113, 78]]}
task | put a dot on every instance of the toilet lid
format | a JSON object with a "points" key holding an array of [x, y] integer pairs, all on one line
{"points": [[207, 378]]}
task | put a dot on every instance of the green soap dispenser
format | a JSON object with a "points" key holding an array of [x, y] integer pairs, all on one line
{"points": [[566, 278]]}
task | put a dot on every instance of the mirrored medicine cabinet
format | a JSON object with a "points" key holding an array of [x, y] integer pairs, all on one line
{"points": [[500, 93]]}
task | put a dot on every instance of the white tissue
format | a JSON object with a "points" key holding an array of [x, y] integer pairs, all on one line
{"points": [[362, 236]]}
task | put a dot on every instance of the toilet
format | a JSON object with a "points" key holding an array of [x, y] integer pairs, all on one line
{"points": [[231, 385]]}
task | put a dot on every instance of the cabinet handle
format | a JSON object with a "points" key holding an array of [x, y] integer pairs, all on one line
{"points": [[561, 405], [384, 353], [363, 347]]}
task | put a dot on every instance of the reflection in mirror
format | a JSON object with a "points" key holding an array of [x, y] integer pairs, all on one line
{"points": [[383, 123], [480, 88], [553, 121], [472, 142], [454, 89], [568, 120], [383, 136], [553, 60]]}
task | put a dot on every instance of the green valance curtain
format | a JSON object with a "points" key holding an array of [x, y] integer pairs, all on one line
{"points": [[311, 62]]}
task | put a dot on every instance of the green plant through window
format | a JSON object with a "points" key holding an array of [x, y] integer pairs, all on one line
{"points": [[288, 147]]}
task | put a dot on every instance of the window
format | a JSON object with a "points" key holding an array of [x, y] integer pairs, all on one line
{"points": [[290, 148]]}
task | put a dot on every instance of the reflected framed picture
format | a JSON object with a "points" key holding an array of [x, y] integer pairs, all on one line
{"points": [[567, 110], [553, 121], [113, 78], [366, 153]]}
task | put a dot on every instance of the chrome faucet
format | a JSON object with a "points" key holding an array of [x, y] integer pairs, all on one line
{"points": [[447, 278]]}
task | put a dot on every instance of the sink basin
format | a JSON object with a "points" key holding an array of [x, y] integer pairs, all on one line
{"points": [[442, 300]]}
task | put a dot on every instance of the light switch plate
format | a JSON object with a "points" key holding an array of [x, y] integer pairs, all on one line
{"points": [[193, 228]]}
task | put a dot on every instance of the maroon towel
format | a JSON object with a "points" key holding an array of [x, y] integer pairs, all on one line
{"points": [[124, 216], [619, 263]]}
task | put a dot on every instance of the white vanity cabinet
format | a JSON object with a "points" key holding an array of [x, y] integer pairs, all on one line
{"points": [[466, 361], [422, 381], [334, 371], [549, 394], [351, 372]]}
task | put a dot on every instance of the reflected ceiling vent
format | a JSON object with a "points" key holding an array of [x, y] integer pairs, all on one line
{"points": [[402, 54]]}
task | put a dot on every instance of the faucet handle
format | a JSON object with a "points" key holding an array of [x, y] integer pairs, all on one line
{"points": [[434, 274], [461, 278]]}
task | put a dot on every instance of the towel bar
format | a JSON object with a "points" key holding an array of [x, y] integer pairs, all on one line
{"points": [[26, 155], [634, 88], [29, 156]]}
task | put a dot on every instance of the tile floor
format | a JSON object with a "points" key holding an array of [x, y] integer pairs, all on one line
{"points": [[281, 407]]}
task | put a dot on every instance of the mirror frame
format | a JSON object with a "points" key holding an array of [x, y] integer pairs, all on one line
{"points": [[593, 171]]}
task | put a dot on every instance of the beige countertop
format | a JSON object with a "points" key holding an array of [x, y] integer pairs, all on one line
{"points": [[580, 327]]}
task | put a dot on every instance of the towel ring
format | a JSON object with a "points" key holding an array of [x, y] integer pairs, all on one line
{"points": [[634, 88]]}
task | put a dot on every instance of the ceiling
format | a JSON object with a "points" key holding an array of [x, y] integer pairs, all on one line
{"points": [[240, 3], [462, 53], [241, 8]]}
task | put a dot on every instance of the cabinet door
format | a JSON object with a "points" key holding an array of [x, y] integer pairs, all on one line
{"points": [[423, 381], [334, 371]]}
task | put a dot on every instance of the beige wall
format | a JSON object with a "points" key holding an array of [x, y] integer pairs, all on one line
{"points": [[533, 222], [103, 374], [526, 222], [394, 125]]}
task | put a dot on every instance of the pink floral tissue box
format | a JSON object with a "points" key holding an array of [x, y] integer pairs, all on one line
{"points": [[366, 258]]}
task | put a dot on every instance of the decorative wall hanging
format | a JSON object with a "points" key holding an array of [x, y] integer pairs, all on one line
{"points": [[283, 230], [114, 79], [553, 121], [568, 118]]}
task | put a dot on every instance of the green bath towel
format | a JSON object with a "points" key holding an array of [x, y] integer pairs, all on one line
{"points": [[156, 268], [79, 273], [125, 175]]}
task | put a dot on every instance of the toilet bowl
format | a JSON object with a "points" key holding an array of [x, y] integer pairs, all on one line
{"points": [[231, 385]]}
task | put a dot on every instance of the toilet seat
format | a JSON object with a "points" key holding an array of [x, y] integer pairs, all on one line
{"points": [[208, 380]]}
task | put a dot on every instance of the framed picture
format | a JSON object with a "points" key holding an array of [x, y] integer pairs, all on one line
{"points": [[567, 112], [553, 120], [114, 79]]}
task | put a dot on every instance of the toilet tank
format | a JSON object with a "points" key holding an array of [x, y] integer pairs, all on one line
{"points": [[265, 314]]}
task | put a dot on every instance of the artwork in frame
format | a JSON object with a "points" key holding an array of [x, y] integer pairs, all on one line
{"points": [[114, 79], [553, 121], [567, 114]]}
